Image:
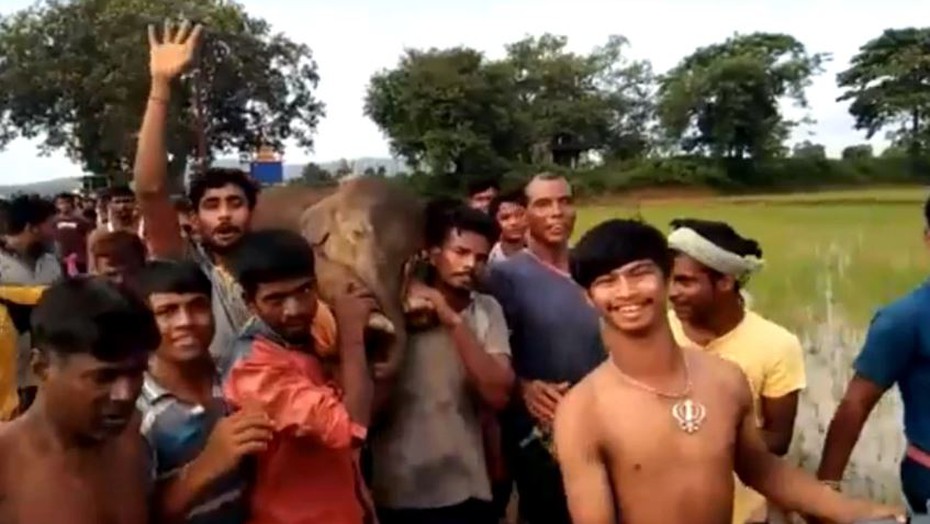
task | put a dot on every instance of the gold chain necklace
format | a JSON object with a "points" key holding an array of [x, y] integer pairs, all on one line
{"points": [[688, 413]]}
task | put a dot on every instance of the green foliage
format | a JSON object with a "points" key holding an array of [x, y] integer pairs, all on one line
{"points": [[75, 73], [723, 99], [887, 84], [807, 149], [856, 152]]}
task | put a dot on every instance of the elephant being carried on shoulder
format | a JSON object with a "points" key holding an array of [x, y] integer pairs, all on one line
{"points": [[366, 231]]}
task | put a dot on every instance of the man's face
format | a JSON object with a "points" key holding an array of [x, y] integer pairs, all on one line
{"points": [[693, 292], [287, 307], [95, 399], [632, 298], [109, 269], [223, 216], [482, 200], [123, 208], [65, 206], [40, 238], [185, 322], [550, 212], [461, 258], [511, 218]]}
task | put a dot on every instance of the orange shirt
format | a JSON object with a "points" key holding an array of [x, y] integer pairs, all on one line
{"points": [[309, 474]]}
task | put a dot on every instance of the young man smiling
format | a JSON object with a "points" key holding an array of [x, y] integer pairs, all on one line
{"points": [[694, 422]]}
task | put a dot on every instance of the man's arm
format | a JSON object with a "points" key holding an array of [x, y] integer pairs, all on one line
{"points": [[785, 377], [886, 354], [584, 473], [92, 238], [789, 486], [150, 174]]}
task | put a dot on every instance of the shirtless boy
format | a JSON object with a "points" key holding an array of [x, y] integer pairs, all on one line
{"points": [[656, 432], [75, 456]]}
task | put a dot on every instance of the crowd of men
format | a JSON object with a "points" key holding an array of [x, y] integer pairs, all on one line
{"points": [[160, 362]]}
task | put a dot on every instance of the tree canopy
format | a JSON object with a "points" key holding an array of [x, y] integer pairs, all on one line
{"points": [[75, 74]]}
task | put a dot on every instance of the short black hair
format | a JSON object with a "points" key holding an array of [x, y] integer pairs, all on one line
{"points": [[481, 185], [721, 235], [27, 210], [68, 197], [459, 218], [615, 243], [271, 255], [517, 197], [217, 177], [172, 276], [90, 315], [121, 191], [927, 212]]}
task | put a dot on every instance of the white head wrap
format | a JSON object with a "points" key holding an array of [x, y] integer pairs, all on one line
{"points": [[689, 242]]}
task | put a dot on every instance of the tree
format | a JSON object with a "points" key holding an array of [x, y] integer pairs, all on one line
{"points": [[723, 99], [887, 83], [858, 152], [452, 111], [808, 149], [75, 73], [313, 174]]}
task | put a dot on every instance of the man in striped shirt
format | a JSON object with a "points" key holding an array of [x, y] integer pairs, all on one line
{"points": [[198, 446]]}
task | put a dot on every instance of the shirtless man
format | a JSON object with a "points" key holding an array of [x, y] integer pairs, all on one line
{"points": [[656, 432], [75, 456]]}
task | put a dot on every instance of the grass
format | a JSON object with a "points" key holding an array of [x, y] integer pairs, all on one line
{"points": [[831, 260]]}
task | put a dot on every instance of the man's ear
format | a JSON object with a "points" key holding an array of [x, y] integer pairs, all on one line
{"points": [[725, 283], [587, 297], [40, 363]]}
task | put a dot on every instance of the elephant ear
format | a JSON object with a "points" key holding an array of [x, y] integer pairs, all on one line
{"points": [[316, 222]]}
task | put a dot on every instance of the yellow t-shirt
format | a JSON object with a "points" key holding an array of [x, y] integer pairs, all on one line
{"points": [[772, 359], [28, 295]]}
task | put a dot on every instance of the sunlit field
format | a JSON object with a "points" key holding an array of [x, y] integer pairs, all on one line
{"points": [[831, 260]]}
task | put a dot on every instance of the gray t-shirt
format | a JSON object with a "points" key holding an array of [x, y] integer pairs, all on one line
{"points": [[554, 332], [16, 271], [429, 453]]}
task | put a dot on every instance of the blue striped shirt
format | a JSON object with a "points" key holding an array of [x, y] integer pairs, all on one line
{"points": [[177, 433]]}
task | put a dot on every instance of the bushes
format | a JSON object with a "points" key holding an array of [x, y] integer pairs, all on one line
{"points": [[729, 175]]}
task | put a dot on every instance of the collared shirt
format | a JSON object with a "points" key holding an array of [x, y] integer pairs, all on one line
{"points": [[176, 433], [772, 359], [310, 473], [428, 452]]}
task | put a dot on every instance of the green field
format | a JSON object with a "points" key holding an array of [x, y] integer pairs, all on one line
{"points": [[831, 260]]}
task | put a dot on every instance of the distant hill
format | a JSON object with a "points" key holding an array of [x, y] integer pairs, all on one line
{"points": [[60, 185]]}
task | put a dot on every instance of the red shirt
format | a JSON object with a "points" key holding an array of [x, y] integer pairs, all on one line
{"points": [[309, 474]]}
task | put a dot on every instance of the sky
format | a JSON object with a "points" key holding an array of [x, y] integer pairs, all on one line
{"points": [[352, 39]]}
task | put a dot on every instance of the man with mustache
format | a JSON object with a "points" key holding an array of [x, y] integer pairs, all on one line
{"points": [[26, 260], [122, 215], [428, 454], [712, 264], [222, 199], [75, 456], [554, 339], [509, 210]]}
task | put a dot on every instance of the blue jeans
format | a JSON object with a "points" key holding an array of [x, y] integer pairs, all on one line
{"points": [[915, 482]]}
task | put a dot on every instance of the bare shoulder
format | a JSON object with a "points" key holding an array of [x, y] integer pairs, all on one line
{"points": [[580, 401]]}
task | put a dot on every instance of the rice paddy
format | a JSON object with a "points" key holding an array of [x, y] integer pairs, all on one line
{"points": [[831, 260]]}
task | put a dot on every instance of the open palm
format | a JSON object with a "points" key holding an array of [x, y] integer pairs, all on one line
{"points": [[170, 57]]}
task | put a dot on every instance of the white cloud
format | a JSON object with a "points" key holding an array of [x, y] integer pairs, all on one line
{"points": [[354, 38]]}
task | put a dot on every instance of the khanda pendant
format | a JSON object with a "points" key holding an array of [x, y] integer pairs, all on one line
{"points": [[689, 415]]}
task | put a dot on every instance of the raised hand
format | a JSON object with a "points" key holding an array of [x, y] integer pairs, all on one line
{"points": [[170, 57]]}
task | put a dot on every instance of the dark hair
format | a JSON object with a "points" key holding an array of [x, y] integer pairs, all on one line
{"points": [[517, 197], [27, 210], [90, 315], [67, 197], [481, 185], [720, 234], [181, 204], [615, 243], [217, 177], [120, 192], [170, 276], [459, 218], [271, 255], [927, 212], [122, 247]]}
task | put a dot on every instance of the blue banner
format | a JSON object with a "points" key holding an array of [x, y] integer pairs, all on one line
{"points": [[268, 173]]}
